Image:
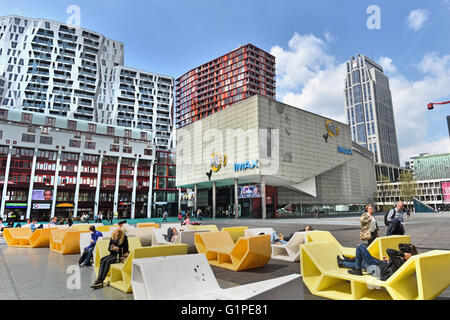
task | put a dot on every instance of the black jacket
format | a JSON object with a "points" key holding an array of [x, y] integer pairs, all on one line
{"points": [[123, 248], [396, 260]]}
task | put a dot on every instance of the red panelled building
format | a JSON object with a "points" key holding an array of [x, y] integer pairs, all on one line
{"points": [[217, 84]]}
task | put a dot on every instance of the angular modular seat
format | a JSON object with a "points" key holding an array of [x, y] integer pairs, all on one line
{"points": [[221, 251], [101, 250], [210, 227], [190, 277], [422, 277], [235, 232], [291, 250], [25, 238], [257, 231], [147, 224], [120, 273], [106, 228], [65, 241]]}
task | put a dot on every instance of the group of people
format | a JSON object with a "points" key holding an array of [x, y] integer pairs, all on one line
{"points": [[98, 218]]}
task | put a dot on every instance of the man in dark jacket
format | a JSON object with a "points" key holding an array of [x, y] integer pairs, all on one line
{"points": [[386, 267]]}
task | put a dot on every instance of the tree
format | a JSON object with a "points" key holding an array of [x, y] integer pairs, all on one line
{"points": [[386, 188], [407, 187]]}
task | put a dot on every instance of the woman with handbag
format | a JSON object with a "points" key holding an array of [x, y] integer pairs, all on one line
{"points": [[118, 248], [369, 225]]}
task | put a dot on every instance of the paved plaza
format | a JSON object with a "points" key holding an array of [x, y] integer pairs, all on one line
{"points": [[41, 274]]}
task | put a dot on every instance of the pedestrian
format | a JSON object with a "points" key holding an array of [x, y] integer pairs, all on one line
{"points": [[85, 259], [70, 221], [180, 216], [316, 212], [118, 252], [100, 217], [394, 220], [95, 218], [165, 216], [369, 226], [199, 214], [111, 217]]}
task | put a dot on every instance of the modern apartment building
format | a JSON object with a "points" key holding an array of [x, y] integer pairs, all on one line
{"points": [[219, 83], [52, 165], [369, 110], [432, 167], [410, 164], [3, 87], [57, 69]]}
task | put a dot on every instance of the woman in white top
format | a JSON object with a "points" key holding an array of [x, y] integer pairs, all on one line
{"points": [[369, 226]]}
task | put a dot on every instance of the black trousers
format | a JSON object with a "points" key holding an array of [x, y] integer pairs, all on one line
{"points": [[105, 264]]}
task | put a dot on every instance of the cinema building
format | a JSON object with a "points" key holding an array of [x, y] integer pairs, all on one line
{"points": [[272, 160], [51, 165]]}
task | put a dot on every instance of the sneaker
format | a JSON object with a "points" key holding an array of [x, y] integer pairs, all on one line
{"points": [[340, 262], [82, 264], [356, 272], [97, 285]]}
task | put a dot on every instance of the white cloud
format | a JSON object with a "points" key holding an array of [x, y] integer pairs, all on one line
{"points": [[387, 64], [311, 78], [417, 18]]}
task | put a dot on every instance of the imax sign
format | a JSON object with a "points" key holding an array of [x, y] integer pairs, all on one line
{"points": [[246, 165], [345, 151]]}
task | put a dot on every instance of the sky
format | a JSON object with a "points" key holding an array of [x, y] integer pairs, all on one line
{"points": [[311, 40]]}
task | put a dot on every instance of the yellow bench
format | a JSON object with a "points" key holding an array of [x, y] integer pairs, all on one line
{"points": [[81, 227], [221, 251], [105, 228], [120, 276], [235, 232], [377, 248], [25, 238], [65, 241], [422, 277], [147, 224], [210, 227], [101, 250]]}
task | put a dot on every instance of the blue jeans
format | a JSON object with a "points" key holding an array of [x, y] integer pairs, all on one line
{"points": [[363, 259], [274, 238], [88, 255]]}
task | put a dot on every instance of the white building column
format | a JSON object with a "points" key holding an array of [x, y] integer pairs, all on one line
{"points": [[236, 199], [5, 183], [150, 192], [214, 200], [97, 189], [133, 195], [263, 199], [179, 199], [30, 189], [55, 185], [116, 190], [195, 199], [77, 187]]}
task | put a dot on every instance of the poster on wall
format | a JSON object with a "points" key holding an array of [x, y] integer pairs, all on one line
{"points": [[446, 191], [42, 195], [252, 191]]}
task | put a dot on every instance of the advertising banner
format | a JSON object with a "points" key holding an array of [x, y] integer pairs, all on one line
{"points": [[446, 191], [42, 195], [252, 191]]}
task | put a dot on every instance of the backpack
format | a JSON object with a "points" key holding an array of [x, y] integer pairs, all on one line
{"points": [[386, 216]]}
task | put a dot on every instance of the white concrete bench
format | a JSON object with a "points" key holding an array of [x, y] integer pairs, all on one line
{"points": [[188, 237], [257, 231], [291, 250], [190, 277]]}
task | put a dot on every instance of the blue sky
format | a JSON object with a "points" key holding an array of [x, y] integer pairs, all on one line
{"points": [[172, 37]]}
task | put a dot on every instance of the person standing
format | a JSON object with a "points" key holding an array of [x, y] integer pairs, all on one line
{"points": [[95, 218], [316, 212], [369, 226], [199, 214], [165, 216], [70, 221], [100, 217], [394, 220]]}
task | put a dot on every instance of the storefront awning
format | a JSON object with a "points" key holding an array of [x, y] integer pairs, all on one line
{"points": [[65, 205], [15, 205]]}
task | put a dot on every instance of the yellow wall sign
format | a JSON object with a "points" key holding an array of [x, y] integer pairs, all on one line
{"points": [[217, 161], [332, 129]]}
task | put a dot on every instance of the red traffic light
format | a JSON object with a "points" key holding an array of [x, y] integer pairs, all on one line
{"points": [[430, 106]]}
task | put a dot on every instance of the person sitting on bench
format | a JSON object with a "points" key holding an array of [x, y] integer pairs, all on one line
{"points": [[288, 237], [171, 234], [378, 268], [85, 259]]}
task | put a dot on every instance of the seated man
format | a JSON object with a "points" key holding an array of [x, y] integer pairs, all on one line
{"points": [[85, 259], [33, 225], [53, 222], [288, 237], [171, 234], [274, 239], [386, 267]]}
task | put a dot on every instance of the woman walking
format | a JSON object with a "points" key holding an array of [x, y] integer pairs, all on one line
{"points": [[369, 226]]}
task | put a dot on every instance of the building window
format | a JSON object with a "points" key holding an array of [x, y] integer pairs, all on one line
{"points": [[28, 138], [92, 127], [50, 122], [127, 133], [110, 131], [27, 118], [75, 143], [144, 135], [3, 114], [89, 145], [148, 152], [46, 140], [114, 148], [72, 125], [127, 149]]}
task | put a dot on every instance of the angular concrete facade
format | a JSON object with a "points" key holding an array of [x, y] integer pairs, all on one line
{"points": [[304, 158]]}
